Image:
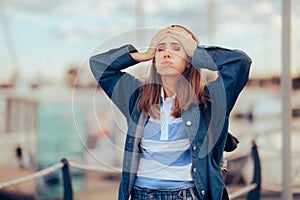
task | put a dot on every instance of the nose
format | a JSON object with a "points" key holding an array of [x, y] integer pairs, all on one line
{"points": [[167, 54]]}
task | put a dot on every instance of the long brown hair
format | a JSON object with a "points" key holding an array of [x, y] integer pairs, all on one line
{"points": [[189, 89]]}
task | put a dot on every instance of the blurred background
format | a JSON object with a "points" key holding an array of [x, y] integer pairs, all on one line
{"points": [[51, 108]]}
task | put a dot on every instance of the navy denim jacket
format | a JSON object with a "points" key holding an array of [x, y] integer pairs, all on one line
{"points": [[206, 143]]}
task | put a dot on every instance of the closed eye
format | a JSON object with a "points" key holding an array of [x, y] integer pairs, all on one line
{"points": [[176, 48], [161, 48]]}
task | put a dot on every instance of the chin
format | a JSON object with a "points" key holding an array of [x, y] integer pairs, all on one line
{"points": [[170, 74]]}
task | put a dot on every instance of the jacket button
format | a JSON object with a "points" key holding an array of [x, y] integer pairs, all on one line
{"points": [[130, 141], [202, 192], [188, 123], [194, 169], [194, 148]]}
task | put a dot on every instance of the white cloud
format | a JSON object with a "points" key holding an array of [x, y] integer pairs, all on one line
{"points": [[73, 21], [33, 6], [263, 8], [69, 7], [276, 21], [29, 17], [89, 8], [82, 21], [167, 7]]}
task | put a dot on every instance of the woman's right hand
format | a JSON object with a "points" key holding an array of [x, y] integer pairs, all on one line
{"points": [[150, 53]]}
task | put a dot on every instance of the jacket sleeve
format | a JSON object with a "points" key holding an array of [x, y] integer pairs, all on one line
{"points": [[121, 87], [233, 68], [233, 71]]}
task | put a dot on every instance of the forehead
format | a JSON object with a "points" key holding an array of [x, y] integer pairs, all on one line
{"points": [[177, 28], [169, 40]]}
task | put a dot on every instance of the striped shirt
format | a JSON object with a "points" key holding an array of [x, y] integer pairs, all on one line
{"points": [[166, 159]]}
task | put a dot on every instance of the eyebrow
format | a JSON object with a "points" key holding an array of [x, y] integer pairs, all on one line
{"points": [[173, 43]]}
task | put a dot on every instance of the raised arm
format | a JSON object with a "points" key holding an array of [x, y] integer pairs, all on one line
{"points": [[121, 87], [233, 67], [149, 54]]}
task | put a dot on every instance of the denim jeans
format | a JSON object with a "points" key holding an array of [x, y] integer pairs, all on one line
{"points": [[185, 193]]}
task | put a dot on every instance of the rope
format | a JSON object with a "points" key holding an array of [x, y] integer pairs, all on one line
{"points": [[57, 166], [53, 168], [93, 168], [35, 175], [242, 191]]}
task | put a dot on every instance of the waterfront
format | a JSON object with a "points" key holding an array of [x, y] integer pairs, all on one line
{"points": [[102, 138]]}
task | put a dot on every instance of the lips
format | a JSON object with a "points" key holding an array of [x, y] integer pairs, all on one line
{"points": [[167, 63]]}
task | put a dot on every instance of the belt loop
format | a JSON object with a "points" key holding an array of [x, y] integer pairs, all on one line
{"points": [[193, 194], [184, 194], [179, 193]]}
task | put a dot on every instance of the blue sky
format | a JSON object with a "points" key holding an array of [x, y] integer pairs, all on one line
{"points": [[50, 35]]}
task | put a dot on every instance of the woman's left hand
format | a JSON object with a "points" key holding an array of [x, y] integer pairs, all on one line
{"points": [[188, 43]]}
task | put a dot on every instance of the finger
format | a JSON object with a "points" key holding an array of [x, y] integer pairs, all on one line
{"points": [[162, 33], [179, 38], [178, 33], [158, 37]]}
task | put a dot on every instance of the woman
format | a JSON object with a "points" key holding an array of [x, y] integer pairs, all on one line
{"points": [[171, 151]]}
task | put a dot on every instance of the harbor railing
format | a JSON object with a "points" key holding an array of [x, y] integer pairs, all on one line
{"points": [[252, 189]]}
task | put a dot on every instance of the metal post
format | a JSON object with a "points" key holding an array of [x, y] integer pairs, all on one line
{"points": [[139, 12], [286, 104], [8, 36], [211, 20], [255, 193], [68, 190], [139, 15]]}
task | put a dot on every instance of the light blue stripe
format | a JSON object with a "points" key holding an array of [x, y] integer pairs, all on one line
{"points": [[174, 159], [171, 158], [176, 131], [153, 183]]}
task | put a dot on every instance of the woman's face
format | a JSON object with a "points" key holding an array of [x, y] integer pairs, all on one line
{"points": [[170, 57]]}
